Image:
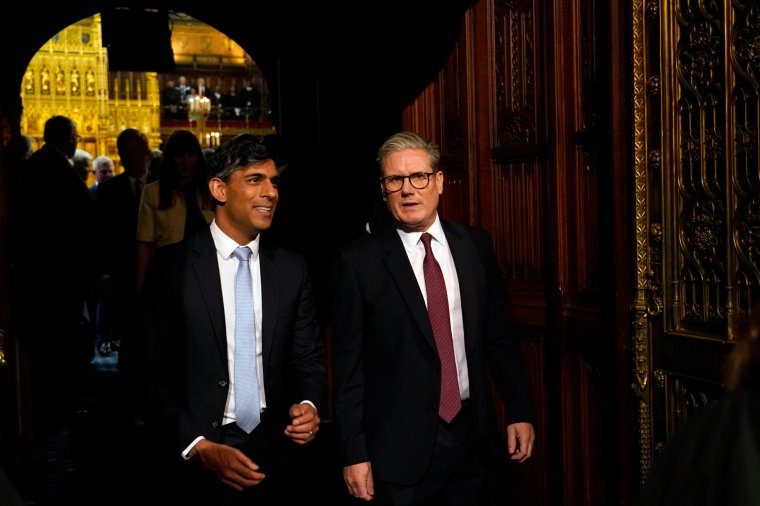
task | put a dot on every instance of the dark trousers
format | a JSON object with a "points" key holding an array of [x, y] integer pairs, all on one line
{"points": [[457, 475], [270, 449]]}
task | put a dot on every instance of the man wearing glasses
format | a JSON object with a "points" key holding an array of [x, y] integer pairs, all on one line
{"points": [[419, 317]]}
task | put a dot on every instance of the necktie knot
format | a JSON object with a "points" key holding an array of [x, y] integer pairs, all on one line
{"points": [[242, 253], [426, 239]]}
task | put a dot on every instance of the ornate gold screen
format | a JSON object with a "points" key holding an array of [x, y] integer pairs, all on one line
{"points": [[696, 76], [69, 76]]}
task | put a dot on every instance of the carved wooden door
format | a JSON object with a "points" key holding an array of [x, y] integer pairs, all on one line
{"points": [[697, 200]]}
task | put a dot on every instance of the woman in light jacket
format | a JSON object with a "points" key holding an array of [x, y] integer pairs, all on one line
{"points": [[177, 205]]}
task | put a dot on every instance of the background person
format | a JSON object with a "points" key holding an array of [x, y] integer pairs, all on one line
{"points": [[82, 163], [54, 250], [176, 205], [116, 208], [103, 168], [714, 457]]}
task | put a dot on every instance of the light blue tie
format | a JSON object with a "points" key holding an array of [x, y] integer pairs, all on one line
{"points": [[246, 377]]}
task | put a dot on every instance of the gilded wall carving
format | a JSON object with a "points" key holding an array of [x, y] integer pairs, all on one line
{"points": [[695, 75], [69, 75]]}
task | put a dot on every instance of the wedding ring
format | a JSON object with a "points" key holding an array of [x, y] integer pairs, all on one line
{"points": [[311, 432]]}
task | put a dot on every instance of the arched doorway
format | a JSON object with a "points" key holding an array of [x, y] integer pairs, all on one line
{"points": [[103, 103], [339, 79], [94, 74]]}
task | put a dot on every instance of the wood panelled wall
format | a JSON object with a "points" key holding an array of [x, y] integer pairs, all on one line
{"points": [[524, 112]]}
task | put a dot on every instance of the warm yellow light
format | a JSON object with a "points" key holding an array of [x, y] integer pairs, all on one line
{"points": [[199, 105]]}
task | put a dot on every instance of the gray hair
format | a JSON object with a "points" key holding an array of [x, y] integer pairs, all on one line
{"points": [[80, 156], [102, 160], [408, 140]]}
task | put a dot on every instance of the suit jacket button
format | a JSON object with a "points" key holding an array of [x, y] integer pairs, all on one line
{"points": [[434, 408], [215, 424], [436, 370], [222, 383]]}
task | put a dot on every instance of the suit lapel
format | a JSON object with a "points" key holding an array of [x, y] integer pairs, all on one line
{"points": [[466, 267], [125, 188], [205, 269], [269, 299], [401, 271]]}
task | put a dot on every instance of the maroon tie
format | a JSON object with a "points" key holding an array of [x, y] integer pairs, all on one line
{"points": [[438, 311]]}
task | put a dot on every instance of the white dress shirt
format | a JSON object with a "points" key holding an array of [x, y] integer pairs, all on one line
{"points": [[228, 265], [227, 270], [415, 250]]}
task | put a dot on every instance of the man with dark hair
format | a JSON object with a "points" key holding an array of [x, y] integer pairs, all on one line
{"points": [[116, 207], [233, 363]]}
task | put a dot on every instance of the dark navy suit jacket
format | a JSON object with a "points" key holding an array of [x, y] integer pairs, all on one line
{"points": [[387, 370], [183, 346]]}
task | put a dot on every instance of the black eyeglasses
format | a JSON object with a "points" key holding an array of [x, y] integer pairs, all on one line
{"points": [[418, 180]]}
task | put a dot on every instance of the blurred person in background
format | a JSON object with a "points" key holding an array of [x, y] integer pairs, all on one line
{"points": [[82, 163], [176, 205], [53, 249], [103, 168], [714, 457]]}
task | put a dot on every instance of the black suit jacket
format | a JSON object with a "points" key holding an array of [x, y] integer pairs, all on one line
{"points": [[55, 246], [387, 375], [184, 346], [713, 458], [116, 210]]}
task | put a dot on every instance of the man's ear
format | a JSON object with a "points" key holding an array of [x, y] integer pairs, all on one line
{"points": [[218, 189]]}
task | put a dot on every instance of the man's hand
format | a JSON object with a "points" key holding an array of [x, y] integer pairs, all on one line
{"points": [[359, 481], [227, 463], [520, 439], [304, 423]]}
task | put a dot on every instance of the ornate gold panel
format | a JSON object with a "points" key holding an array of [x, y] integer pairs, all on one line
{"points": [[69, 75], [697, 199], [194, 42]]}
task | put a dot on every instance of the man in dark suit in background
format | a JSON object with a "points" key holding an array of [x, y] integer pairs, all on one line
{"points": [[203, 90], [116, 207], [53, 251], [171, 100], [103, 168], [192, 323], [404, 437], [250, 97]]}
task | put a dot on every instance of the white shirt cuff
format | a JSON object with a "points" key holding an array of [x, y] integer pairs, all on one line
{"points": [[190, 447]]}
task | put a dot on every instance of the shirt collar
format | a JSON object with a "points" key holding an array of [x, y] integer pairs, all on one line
{"points": [[142, 179], [226, 246], [411, 239]]}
